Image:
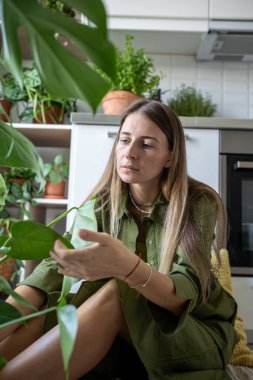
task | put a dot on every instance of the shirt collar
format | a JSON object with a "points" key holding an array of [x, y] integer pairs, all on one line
{"points": [[158, 213]]}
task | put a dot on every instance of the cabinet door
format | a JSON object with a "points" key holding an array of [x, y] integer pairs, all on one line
{"points": [[202, 146], [231, 9], [243, 293], [158, 15], [90, 151]]}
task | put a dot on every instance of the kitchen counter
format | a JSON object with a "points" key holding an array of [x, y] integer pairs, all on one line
{"points": [[187, 122]]}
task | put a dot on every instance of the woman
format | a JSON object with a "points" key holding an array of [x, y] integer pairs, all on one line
{"points": [[151, 297]]}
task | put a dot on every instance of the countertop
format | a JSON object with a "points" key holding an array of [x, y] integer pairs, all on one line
{"points": [[187, 122]]}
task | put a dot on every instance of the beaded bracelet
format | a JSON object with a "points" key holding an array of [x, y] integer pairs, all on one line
{"points": [[132, 271], [147, 281]]}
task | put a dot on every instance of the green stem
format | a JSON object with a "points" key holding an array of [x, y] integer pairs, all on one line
{"points": [[61, 216], [2, 259], [27, 317]]}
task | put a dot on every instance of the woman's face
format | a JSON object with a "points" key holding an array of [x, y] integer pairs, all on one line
{"points": [[142, 151]]}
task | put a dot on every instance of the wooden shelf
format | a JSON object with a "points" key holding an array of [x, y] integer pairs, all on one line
{"points": [[49, 135]]}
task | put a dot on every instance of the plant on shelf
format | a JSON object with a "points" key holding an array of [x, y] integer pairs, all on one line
{"points": [[10, 92], [59, 6], [21, 189], [56, 174], [46, 109], [60, 71], [135, 77], [188, 101]]}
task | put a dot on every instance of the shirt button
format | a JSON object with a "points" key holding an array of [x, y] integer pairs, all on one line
{"points": [[152, 262], [150, 242]]}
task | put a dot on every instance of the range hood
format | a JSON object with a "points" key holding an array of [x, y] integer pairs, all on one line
{"points": [[227, 40]]}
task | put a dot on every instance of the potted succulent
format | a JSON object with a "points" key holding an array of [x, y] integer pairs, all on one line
{"points": [[135, 77], [188, 101], [56, 174], [46, 109]]}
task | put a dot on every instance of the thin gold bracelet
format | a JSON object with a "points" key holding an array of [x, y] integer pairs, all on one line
{"points": [[147, 281]]}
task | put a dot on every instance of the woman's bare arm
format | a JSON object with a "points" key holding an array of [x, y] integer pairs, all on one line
{"points": [[35, 296]]}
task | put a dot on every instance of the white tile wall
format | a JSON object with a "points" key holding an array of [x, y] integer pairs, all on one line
{"points": [[230, 84]]}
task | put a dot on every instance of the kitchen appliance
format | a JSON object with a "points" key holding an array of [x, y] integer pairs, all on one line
{"points": [[227, 40], [236, 189]]}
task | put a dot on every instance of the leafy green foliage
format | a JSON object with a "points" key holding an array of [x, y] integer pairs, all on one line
{"points": [[17, 151], [41, 100], [3, 191], [67, 319], [135, 71], [31, 240], [190, 102], [19, 193], [56, 171], [60, 69]]}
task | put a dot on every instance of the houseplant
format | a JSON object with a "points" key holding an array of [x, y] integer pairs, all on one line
{"points": [[135, 77], [188, 101], [56, 174], [10, 92], [46, 109], [60, 72]]}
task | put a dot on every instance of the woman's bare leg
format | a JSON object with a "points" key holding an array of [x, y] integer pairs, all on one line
{"points": [[22, 338], [100, 319]]}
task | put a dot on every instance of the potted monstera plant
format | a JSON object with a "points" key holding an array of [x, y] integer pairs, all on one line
{"points": [[60, 72]]}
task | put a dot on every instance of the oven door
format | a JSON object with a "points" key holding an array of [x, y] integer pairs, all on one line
{"points": [[239, 203]]}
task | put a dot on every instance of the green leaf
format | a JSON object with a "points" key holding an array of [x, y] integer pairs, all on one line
{"points": [[4, 251], [55, 177], [3, 361], [7, 289], [31, 240], [60, 70], [3, 191], [67, 319], [58, 159], [17, 151], [7, 312]]}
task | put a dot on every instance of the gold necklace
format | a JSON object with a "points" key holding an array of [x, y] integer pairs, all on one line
{"points": [[137, 206]]}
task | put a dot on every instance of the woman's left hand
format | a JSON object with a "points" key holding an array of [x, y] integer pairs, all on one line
{"points": [[107, 257]]}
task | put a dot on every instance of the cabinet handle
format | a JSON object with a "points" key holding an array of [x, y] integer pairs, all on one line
{"points": [[112, 135], [243, 165]]}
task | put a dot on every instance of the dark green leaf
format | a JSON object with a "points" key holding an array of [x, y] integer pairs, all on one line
{"points": [[7, 312], [3, 191], [60, 70], [7, 289], [17, 151], [31, 240], [3, 361], [67, 319]]}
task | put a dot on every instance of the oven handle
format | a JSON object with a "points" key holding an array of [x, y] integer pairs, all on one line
{"points": [[243, 165]]}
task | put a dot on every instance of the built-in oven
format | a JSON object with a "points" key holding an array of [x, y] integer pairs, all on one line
{"points": [[236, 189]]}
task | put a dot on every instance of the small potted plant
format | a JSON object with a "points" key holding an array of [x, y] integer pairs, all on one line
{"points": [[56, 174], [10, 93], [188, 101], [135, 78], [46, 109]]}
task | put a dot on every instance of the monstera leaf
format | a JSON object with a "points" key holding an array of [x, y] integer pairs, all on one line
{"points": [[62, 72], [17, 151]]}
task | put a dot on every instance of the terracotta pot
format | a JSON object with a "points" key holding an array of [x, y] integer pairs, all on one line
{"points": [[7, 268], [55, 190], [115, 102], [19, 181], [6, 105], [53, 115]]}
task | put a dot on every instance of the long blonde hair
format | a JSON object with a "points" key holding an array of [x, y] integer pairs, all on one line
{"points": [[179, 190]]}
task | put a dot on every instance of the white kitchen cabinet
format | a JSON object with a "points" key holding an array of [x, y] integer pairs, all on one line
{"points": [[231, 9], [160, 15], [202, 146]]}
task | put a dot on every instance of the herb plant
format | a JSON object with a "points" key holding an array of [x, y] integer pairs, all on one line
{"points": [[56, 171], [135, 71], [188, 101]]}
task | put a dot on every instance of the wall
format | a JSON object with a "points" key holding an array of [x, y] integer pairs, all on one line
{"points": [[229, 83]]}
